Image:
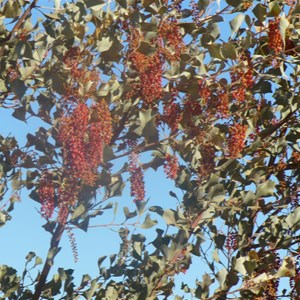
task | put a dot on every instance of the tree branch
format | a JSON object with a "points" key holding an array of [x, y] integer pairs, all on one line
{"points": [[48, 263], [19, 22]]}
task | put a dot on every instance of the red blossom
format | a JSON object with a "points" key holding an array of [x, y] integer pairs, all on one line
{"points": [[137, 186], [171, 166], [46, 194]]}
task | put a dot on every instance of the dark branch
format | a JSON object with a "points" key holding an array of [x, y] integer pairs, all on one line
{"points": [[48, 263]]}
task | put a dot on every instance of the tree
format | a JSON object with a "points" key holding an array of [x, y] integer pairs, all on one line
{"points": [[218, 110]]}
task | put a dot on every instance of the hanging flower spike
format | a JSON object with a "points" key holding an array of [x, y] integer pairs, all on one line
{"points": [[99, 135], [169, 32], [72, 135], [275, 40], [137, 186], [237, 135], [67, 196], [46, 194], [171, 166], [149, 69]]}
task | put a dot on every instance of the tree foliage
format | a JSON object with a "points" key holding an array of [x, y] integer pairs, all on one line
{"points": [[205, 90]]}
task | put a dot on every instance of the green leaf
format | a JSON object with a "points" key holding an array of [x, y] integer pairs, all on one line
{"points": [[123, 3], [293, 220], [172, 194], [20, 113], [258, 282], [78, 211], [18, 88], [51, 16], [137, 247], [108, 154], [236, 23], [104, 44], [57, 3], [274, 8], [30, 256], [116, 205], [228, 51], [250, 266], [215, 255], [287, 269], [214, 50], [129, 214], [234, 3], [147, 49], [90, 292], [147, 126], [26, 72], [265, 189], [260, 12], [94, 4], [146, 3], [148, 223], [100, 261], [3, 218], [16, 182], [116, 187], [38, 261], [12, 9], [239, 266], [24, 50], [169, 216], [283, 25], [159, 210], [221, 276], [203, 4], [220, 241]]}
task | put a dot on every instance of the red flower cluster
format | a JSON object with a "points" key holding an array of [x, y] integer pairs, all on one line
{"points": [[73, 243], [12, 74], [82, 142], [100, 134], [231, 243], [215, 103], [208, 160], [242, 80], [149, 69], [237, 135], [204, 91], [273, 284], [168, 31], [137, 184], [171, 166], [67, 196], [172, 115], [192, 109], [151, 80], [72, 135], [46, 194], [275, 40], [81, 77], [223, 104]]}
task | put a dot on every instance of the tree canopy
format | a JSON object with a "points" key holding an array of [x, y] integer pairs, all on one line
{"points": [[206, 91]]}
